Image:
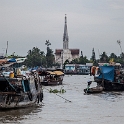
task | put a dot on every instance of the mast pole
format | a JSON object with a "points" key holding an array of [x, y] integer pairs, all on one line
{"points": [[6, 48]]}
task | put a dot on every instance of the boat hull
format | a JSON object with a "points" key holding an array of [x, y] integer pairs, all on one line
{"points": [[13, 100], [47, 83], [20, 92], [94, 90]]}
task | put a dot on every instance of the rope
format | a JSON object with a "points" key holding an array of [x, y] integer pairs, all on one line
{"points": [[59, 95]]}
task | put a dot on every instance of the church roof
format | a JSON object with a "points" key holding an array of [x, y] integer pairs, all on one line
{"points": [[73, 51], [58, 51]]}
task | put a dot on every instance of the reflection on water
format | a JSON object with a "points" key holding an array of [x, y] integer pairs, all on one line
{"points": [[16, 115], [106, 107], [110, 96]]}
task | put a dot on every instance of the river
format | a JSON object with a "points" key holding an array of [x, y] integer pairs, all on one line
{"points": [[71, 107]]}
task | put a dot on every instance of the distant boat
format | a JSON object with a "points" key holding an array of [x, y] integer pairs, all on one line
{"points": [[18, 90], [76, 69], [51, 77]]}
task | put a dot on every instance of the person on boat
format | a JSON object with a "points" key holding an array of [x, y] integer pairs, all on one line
{"points": [[55, 77], [88, 85], [93, 70]]}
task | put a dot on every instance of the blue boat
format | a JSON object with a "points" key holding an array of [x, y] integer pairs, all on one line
{"points": [[110, 77]]}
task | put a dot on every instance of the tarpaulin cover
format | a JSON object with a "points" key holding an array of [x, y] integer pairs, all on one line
{"points": [[12, 60], [107, 72]]}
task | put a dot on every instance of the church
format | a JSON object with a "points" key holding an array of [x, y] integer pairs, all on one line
{"points": [[61, 55]]}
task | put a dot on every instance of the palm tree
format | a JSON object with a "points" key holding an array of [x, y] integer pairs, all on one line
{"points": [[103, 57], [47, 43], [112, 57]]}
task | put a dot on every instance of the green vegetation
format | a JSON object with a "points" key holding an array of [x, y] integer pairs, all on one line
{"points": [[103, 58], [50, 60], [36, 57], [57, 91]]}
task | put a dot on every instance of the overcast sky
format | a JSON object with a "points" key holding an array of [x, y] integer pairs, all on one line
{"points": [[91, 24]]}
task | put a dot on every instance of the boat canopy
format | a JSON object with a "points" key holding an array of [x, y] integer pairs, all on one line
{"points": [[107, 72], [58, 73], [50, 72], [12, 60]]}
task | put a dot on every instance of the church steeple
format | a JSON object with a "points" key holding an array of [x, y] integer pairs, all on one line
{"points": [[65, 35]]}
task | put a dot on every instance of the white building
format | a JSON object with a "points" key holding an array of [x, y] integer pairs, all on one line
{"points": [[61, 55]]}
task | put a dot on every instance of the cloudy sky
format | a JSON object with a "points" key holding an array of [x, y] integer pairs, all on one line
{"points": [[91, 24]]}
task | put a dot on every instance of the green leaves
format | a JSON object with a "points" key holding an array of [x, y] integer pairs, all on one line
{"points": [[57, 91], [34, 57]]}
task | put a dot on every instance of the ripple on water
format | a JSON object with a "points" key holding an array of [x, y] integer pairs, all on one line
{"points": [[106, 107]]}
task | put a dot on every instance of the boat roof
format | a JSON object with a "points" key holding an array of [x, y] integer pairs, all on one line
{"points": [[58, 73], [50, 72]]}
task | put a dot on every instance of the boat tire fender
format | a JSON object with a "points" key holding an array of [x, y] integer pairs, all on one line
{"points": [[36, 85], [30, 96], [41, 97], [38, 98]]}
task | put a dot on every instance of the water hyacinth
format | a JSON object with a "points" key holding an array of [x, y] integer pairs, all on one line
{"points": [[57, 91]]}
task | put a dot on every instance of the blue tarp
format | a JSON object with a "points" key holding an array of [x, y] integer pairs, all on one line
{"points": [[107, 72], [12, 60]]}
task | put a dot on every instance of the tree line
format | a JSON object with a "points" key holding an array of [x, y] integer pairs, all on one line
{"points": [[36, 57]]}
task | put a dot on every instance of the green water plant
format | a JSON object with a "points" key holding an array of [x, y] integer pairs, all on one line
{"points": [[57, 91]]}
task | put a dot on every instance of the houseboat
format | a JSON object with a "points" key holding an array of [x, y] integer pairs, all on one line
{"points": [[19, 90]]}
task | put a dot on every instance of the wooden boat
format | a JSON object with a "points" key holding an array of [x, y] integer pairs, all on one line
{"points": [[97, 89], [51, 77], [108, 77], [111, 77], [19, 90]]}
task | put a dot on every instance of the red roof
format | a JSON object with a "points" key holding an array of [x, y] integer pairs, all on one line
{"points": [[58, 51], [73, 51]]}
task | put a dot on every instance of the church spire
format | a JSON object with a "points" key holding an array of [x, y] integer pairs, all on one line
{"points": [[65, 35]]}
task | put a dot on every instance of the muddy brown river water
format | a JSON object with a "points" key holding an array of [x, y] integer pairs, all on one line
{"points": [[71, 107]]}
